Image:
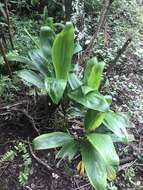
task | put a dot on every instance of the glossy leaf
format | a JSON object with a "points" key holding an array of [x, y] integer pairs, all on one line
{"points": [[13, 56], [32, 77], [117, 123], [68, 151], [104, 146], [91, 100], [51, 140], [93, 73], [55, 88], [94, 167], [74, 81], [47, 36], [93, 119], [62, 51], [39, 62]]}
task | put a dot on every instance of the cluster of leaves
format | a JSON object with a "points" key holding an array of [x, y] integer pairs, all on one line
{"points": [[20, 149], [8, 87], [50, 70]]}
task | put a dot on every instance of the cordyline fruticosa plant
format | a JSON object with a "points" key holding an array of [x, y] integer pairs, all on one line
{"points": [[51, 70]]}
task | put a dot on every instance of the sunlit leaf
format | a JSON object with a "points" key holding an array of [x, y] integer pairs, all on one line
{"points": [[93, 119], [62, 51], [39, 62], [47, 36], [91, 100], [104, 146], [93, 73], [68, 151], [32, 77], [74, 81], [94, 167], [117, 123], [51, 140], [55, 88]]}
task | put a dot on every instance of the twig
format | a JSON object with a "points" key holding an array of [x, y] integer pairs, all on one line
{"points": [[49, 168], [127, 160], [29, 117], [5, 58], [13, 105], [39, 160], [104, 12], [27, 187], [8, 23], [81, 187], [126, 166]]}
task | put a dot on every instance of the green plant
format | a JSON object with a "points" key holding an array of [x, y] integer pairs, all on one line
{"points": [[20, 149], [101, 128], [8, 87], [51, 70], [47, 62]]}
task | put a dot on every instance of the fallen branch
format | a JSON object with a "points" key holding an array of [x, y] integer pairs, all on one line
{"points": [[104, 12], [49, 168], [119, 54], [39, 160], [31, 120]]}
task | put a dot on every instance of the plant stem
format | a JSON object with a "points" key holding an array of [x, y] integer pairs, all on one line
{"points": [[5, 58], [8, 23]]}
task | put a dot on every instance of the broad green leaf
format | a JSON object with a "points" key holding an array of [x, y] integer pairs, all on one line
{"points": [[55, 88], [117, 123], [93, 73], [13, 56], [39, 62], [93, 119], [74, 81], [94, 167], [87, 89], [51, 140], [91, 100], [32, 77], [68, 151], [47, 36], [62, 51], [104, 146], [108, 99]]}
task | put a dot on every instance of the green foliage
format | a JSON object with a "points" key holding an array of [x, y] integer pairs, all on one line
{"points": [[101, 125], [8, 87], [46, 64], [20, 149], [9, 156]]}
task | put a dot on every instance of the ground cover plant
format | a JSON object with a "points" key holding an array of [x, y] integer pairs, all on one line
{"points": [[81, 128]]}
